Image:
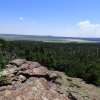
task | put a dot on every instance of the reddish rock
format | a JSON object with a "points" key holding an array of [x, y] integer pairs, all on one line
{"points": [[30, 81]]}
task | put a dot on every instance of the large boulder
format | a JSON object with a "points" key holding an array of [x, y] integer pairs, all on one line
{"points": [[18, 62]]}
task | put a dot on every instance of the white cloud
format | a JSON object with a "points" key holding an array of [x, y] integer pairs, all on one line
{"points": [[88, 26], [88, 29], [20, 18]]}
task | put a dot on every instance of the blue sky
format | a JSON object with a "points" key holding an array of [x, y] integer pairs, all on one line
{"points": [[77, 18]]}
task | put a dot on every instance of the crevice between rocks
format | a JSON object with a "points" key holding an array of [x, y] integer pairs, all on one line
{"points": [[47, 77]]}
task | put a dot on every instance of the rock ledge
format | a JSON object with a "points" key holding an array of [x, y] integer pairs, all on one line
{"points": [[26, 80]]}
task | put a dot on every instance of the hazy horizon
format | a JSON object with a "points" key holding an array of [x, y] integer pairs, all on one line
{"points": [[67, 18]]}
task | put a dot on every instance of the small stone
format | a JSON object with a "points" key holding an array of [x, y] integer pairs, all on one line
{"points": [[53, 75], [22, 78], [18, 98], [2, 88]]}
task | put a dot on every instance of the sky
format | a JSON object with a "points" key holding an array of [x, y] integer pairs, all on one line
{"points": [[69, 18]]}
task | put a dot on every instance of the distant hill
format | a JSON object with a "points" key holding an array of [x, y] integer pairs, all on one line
{"points": [[11, 37]]}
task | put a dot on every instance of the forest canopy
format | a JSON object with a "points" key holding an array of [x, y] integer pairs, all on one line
{"points": [[75, 59]]}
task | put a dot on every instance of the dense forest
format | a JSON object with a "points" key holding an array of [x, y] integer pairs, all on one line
{"points": [[75, 59]]}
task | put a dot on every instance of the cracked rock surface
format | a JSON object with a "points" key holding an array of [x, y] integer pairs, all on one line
{"points": [[26, 80]]}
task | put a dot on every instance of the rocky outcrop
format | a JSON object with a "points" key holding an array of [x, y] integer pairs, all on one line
{"points": [[26, 80]]}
